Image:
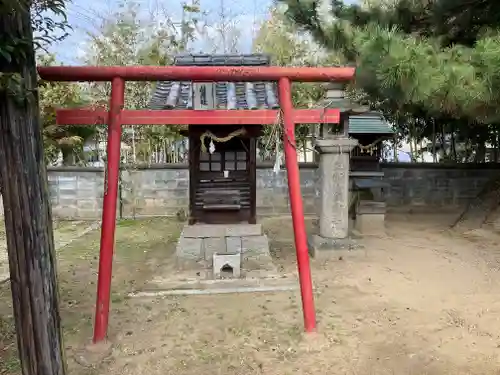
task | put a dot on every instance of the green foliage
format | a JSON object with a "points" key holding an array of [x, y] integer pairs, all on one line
{"points": [[279, 38], [431, 67], [47, 18], [49, 22], [403, 55], [49, 25], [13, 47], [127, 38], [68, 140]]}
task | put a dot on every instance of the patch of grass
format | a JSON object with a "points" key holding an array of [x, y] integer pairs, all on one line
{"points": [[117, 297], [69, 226], [9, 362], [125, 223], [10, 365], [140, 246]]}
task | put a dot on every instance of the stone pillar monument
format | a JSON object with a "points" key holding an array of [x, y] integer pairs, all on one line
{"points": [[334, 201]]}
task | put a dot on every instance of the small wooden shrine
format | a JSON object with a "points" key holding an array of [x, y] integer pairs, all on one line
{"points": [[222, 160], [370, 129]]}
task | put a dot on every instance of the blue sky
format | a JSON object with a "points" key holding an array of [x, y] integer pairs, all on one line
{"points": [[86, 15]]}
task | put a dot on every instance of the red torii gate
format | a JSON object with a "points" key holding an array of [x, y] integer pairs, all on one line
{"points": [[117, 116]]}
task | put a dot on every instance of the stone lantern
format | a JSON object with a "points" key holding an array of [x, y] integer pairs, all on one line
{"points": [[335, 98], [335, 146]]}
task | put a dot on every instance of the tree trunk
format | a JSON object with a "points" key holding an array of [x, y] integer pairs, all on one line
{"points": [[28, 223], [395, 148], [480, 152], [497, 144], [454, 145], [434, 152], [494, 136], [443, 143], [412, 151]]}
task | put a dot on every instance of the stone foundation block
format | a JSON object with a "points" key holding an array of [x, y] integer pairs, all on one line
{"points": [[233, 245], [241, 230], [203, 231], [255, 245], [213, 245], [371, 207], [189, 248], [320, 247], [370, 224]]}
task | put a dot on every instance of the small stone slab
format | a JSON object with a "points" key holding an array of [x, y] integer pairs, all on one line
{"points": [[370, 224], [242, 230], [258, 263], [204, 231], [214, 230], [256, 258], [320, 247], [213, 245], [189, 248], [255, 244], [370, 207], [233, 245]]}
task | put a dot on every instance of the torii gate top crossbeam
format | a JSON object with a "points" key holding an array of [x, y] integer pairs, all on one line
{"points": [[195, 73]]}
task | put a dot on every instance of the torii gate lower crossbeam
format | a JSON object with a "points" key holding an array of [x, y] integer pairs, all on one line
{"points": [[116, 117]]}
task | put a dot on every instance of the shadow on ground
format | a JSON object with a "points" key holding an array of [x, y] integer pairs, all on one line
{"points": [[422, 299]]}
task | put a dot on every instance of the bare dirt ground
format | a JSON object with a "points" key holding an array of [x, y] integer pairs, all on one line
{"points": [[421, 300]]}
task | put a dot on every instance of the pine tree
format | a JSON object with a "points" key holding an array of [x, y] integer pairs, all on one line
{"points": [[440, 56]]}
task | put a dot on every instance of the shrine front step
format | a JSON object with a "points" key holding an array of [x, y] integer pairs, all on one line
{"points": [[217, 230]]}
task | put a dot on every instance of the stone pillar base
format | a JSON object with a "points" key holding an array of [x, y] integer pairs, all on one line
{"points": [[370, 218], [321, 247], [371, 224]]}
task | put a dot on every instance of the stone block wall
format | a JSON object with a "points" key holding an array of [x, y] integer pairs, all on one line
{"points": [[155, 192], [164, 190], [76, 193], [427, 186], [272, 191]]}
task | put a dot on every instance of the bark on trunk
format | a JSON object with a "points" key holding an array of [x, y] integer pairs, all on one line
{"points": [[28, 223]]}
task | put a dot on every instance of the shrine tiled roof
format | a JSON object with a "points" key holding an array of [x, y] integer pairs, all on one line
{"points": [[369, 123], [228, 95]]}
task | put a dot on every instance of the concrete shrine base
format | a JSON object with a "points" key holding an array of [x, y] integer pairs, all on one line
{"points": [[240, 254], [200, 244]]}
